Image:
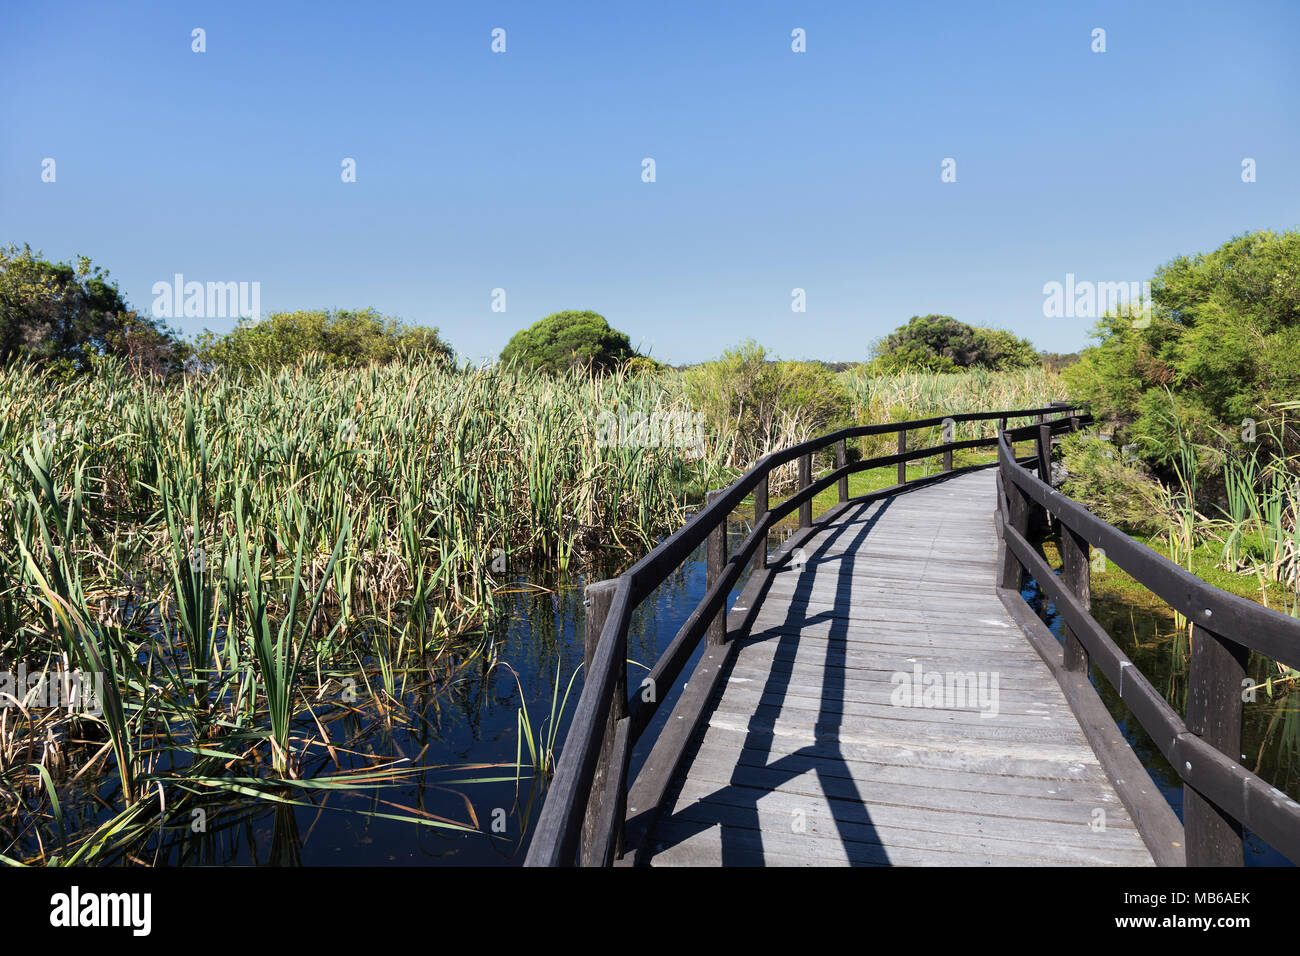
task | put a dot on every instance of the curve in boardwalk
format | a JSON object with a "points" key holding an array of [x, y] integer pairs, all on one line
{"points": [[829, 741], [791, 740]]}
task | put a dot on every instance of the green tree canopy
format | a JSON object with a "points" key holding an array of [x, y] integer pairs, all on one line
{"points": [[1222, 344], [341, 337], [940, 343], [565, 340], [66, 313]]}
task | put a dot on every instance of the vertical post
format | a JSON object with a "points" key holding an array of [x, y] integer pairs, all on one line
{"points": [[842, 459], [1214, 680], [715, 559], [1075, 574], [760, 511], [599, 597], [902, 447], [947, 451], [1045, 452], [805, 479], [1013, 572]]}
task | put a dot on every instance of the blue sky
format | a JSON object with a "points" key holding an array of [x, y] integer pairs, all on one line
{"points": [[775, 170]]}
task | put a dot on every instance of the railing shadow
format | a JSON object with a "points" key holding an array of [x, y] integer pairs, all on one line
{"points": [[734, 808]]}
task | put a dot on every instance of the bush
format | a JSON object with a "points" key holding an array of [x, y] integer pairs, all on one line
{"points": [[1101, 477], [341, 338], [1222, 345], [764, 403], [939, 343], [65, 314], [569, 340]]}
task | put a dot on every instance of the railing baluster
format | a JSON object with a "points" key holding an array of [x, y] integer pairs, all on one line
{"points": [[1214, 705], [715, 553], [805, 479], [1075, 573], [599, 597], [842, 459], [1013, 572], [902, 447], [760, 512], [1045, 453]]}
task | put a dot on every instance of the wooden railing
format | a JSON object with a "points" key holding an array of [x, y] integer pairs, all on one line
{"points": [[1219, 794], [582, 820]]}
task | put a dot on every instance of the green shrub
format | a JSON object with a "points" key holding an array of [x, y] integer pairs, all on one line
{"points": [[939, 343], [569, 340], [341, 339], [1112, 484], [1222, 344], [65, 315], [765, 403]]}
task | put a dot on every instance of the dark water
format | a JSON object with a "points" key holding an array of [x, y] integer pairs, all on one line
{"points": [[1266, 751], [461, 729]]}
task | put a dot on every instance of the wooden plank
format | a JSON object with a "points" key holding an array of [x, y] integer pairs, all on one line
{"points": [[958, 826], [969, 760], [862, 842]]}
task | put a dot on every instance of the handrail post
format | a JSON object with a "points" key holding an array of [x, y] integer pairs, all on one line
{"points": [[760, 512], [1045, 453], [1076, 574], [599, 596], [842, 459], [715, 560], [805, 479], [1013, 572], [1214, 704], [947, 450], [902, 448]]}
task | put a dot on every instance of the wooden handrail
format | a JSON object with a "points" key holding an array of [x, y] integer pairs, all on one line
{"points": [[1220, 796], [584, 802]]}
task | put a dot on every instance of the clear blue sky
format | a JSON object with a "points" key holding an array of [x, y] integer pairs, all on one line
{"points": [[775, 170]]}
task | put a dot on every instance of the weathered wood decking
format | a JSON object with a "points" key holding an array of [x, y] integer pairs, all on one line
{"points": [[809, 757]]}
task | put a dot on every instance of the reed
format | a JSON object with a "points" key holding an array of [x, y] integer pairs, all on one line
{"points": [[219, 549]]}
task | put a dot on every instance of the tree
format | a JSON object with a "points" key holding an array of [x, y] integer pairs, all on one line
{"points": [[939, 343], [340, 338], [66, 313], [1222, 344], [565, 340]]}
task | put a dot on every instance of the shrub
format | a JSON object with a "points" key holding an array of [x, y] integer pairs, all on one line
{"points": [[939, 343], [1222, 344], [764, 403], [569, 340], [63, 315], [341, 338], [1118, 489]]}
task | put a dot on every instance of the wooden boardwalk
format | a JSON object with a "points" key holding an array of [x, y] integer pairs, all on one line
{"points": [[812, 755]]}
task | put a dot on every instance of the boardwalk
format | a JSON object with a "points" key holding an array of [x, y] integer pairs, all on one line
{"points": [[806, 756], [881, 694]]}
